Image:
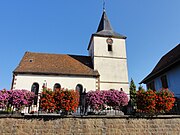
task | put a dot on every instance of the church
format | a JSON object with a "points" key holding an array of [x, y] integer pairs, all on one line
{"points": [[104, 68]]}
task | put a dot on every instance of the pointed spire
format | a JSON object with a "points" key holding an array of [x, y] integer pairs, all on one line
{"points": [[105, 29], [104, 23]]}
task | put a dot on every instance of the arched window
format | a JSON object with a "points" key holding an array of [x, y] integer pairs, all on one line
{"points": [[57, 86], [109, 42], [79, 88], [35, 89]]}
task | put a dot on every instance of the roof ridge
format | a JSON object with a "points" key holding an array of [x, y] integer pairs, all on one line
{"points": [[55, 54]]}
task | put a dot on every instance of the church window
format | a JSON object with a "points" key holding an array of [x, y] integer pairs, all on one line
{"points": [[57, 86], [109, 41], [31, 60], [79, 88], [35, 89], [164, 81], [109, 47]]}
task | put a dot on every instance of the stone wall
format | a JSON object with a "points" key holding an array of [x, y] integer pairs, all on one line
{"points": [[90, 126]]}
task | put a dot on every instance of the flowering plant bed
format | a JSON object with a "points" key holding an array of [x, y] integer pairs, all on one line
{"points": [[59, 100], [11, 100], [154, 102], [100, 100], [164, 101]]}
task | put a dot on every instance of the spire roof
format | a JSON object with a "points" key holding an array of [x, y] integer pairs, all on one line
{"points": [[104, 23], [105, 29]]}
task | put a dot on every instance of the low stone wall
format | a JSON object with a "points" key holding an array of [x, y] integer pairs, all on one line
{"points": [[90, 126]]}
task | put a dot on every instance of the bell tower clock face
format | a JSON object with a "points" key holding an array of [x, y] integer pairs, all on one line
{"points": [[109, 41]]}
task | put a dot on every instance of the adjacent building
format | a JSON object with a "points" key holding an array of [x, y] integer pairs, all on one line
{"points": [[166, 74]]}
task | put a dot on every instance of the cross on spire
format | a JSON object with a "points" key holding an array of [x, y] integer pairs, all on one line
{"points": [[104, 4]]}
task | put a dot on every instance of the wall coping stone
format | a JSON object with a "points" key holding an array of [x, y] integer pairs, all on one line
{"points": [[56, 116]]}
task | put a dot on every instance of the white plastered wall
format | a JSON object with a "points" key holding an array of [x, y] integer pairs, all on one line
{"points": [[25, 81], [106, 86], [101, 48], [111, 65]]}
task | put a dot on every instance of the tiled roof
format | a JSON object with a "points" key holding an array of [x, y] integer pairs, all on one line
{"points": [[169, 60], [56, 64]]}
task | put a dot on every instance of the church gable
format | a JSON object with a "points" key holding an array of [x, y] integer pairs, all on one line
{"points": [[56, 64]]}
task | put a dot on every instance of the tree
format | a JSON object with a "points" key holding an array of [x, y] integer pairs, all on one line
{"points": [[140, 87], [132, 92]]}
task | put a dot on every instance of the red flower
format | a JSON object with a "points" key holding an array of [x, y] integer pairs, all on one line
{"points": [[155, 101], [67, 100]]}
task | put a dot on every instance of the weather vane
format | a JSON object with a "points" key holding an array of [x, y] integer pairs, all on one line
{"points": [[104, 4]]}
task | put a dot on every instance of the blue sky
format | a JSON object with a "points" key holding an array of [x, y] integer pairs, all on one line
{"points": [[65, 26]]}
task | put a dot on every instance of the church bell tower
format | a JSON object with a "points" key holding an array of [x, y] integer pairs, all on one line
{"points": [[108, 52]]}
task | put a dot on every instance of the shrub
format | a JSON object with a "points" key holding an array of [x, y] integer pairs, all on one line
{"points": [[47, 102], [154, 102], [18, 99], [4, 98], [146, 101], [116, 99], [98, 100], [164, 101], [21, 98], [64, 100]]}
